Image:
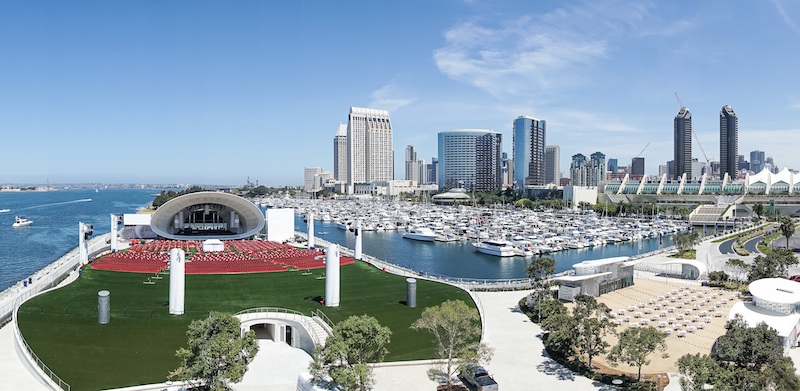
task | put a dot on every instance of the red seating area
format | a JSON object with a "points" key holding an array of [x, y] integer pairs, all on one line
{"points": [[132, 262], [240, 256]]}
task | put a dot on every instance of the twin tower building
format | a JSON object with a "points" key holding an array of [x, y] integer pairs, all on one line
{"points": [[472, 159], [728, 144]]}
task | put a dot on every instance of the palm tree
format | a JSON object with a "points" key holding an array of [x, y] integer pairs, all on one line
{"points": [[787, 228]]}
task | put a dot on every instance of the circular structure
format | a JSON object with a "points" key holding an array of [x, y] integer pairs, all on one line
{"points": [[207, 215], [776, 294], [453, 196]]}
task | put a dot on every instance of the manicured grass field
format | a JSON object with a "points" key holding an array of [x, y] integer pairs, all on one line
{"points": [[138, 345]]}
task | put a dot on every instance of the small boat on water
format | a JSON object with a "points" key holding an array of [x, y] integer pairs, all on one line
{"points": [[5, 210], [422, 234], [21, 222], [498, 248]]}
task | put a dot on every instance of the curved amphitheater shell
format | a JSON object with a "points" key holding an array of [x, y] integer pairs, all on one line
{"points": [[207, 215]]}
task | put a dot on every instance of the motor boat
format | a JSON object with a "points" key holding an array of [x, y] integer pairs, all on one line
{"points": [[422, 234], [21, 222], [498, 248]]}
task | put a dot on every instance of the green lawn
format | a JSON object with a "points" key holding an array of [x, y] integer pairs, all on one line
{"points": [[138, 345]]}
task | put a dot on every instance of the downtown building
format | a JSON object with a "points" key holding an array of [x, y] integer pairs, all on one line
{"points": [[682, 143], [470, 159], [340, 154], [728, 143], [587, 172], [528, 152], [552, 165], [369, 147]]}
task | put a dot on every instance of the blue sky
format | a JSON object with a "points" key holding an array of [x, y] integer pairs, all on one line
{"points": [[211, 92]]}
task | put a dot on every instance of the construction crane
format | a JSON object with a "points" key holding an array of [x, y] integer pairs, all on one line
{"points": [[642, 151], [694, 134]]}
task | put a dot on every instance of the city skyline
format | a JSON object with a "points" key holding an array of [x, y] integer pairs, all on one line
{"points": [[114, 92]]}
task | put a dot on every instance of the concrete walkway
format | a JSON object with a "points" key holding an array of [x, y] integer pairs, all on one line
{"points": [[15, 375], [275, 367], [520, 361]]}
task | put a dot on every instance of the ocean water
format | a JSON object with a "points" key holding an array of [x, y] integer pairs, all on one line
{"points": [[55, 217], [460, 259]]}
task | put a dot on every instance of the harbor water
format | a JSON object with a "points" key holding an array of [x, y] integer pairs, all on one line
{"points": [[54, 231], [459, 259], [56, 214]]}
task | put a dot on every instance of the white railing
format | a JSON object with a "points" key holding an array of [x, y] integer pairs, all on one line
{"points": [[46, 279], [43, 370], [289, 314], [326, 321]]}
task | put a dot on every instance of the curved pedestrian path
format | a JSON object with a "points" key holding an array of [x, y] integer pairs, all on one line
{"points": [[520, 361]]}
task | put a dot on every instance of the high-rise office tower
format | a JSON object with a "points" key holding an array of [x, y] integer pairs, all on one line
{"points": [[430, 169], [728, 142], [613, 166], [757, 160], [470, 158], [552, 164], [743, 164], [528, 151], [637, 167], [340, 154], [412, 165], [369, 146], [682, 143], [589, 172]]}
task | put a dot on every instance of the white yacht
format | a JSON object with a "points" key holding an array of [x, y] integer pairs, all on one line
{"points": [[498, 248], [21, 222], [422, 234]]}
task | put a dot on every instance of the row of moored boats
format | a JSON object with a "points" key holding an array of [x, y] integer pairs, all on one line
{"points": [[498, 231]]}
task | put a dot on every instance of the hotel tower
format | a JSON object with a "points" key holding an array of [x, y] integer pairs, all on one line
{"points": [[369, 146]]}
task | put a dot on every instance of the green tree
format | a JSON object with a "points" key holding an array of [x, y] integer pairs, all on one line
{"points": [[758, 209], [787, 228], [773, 265], [744, 359], [547, 308], [739, 266], [456, 330], [635, 345], [356, 342], [216, 352], [540, 271], [686, 241], [592, 324]]}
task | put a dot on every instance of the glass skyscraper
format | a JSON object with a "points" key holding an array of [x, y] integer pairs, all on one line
{"points": [[528, 152], [682, 143], [728, 142]]}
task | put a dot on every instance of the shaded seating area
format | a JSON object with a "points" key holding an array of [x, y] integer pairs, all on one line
{"points": [[239, 256]]}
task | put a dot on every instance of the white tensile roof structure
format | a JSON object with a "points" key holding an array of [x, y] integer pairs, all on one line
{"points": [[769, 179]]}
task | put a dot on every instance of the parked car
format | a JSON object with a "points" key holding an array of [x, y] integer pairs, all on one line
{"points": [[478, 377], [795, 278]]}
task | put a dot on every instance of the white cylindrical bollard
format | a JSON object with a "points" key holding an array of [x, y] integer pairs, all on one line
{"points": [[310, 229], [357, 251], [332, 276], [177, 281]]}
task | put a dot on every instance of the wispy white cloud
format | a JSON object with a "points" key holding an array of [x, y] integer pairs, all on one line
{"points": [[786, 12], [387, 98], [536, 55]]}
